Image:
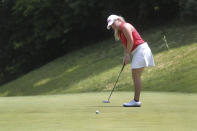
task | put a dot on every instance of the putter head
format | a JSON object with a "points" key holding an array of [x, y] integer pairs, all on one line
{"points": [[106, 101]]}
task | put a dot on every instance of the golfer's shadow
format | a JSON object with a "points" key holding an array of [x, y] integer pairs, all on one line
{"points": [[105, 106]]}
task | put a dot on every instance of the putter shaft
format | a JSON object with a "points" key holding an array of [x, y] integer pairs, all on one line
{"points": [[116, 82]]}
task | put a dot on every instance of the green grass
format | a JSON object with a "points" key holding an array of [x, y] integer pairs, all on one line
{"points": [[168, 97], [74, 112], [95, 68]]}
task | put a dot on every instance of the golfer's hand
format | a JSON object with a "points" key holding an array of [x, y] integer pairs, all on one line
{"points": [[126, 59]]}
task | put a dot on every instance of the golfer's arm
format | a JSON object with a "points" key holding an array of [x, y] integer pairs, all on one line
{"points": [[128, 34]]}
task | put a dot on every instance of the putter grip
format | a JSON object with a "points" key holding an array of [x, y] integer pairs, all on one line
{"points": [[122, 67]]}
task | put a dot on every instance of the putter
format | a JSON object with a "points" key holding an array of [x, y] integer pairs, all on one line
{"points": [[107, 101]]}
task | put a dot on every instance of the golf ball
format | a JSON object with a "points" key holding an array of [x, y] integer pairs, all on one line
{"points": [[97, 111]]}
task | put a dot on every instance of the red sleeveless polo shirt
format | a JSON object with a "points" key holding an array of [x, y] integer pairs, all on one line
{"points": [[137, 40]]}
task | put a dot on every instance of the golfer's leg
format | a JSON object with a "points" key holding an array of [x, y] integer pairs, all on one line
{"points": [[136, 74]]}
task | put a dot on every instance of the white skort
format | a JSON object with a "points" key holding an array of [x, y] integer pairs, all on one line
{"points": [[142, 57]]}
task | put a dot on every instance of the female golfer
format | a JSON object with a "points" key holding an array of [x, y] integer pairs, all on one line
{"points": [[135, 45]]}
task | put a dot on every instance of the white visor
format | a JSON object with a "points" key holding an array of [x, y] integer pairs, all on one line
{"points": [[110, 20], [109, 24]]}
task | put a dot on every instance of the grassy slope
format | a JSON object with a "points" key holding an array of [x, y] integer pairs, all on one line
{"points": [[95, 68], [159, 112]]}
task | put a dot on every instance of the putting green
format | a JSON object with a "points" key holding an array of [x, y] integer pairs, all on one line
{"points": [[77, 112]]}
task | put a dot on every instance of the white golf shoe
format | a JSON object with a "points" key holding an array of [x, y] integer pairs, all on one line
{"points": [[133, 103]]}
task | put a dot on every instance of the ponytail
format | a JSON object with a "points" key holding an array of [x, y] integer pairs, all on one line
{"points": [[116, 31]]}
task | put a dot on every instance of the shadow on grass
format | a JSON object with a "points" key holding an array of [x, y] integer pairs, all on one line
{"points": [[60, 75], [105, 106]]}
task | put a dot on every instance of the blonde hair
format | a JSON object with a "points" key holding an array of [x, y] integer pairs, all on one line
{"points": [[116, 31]]}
